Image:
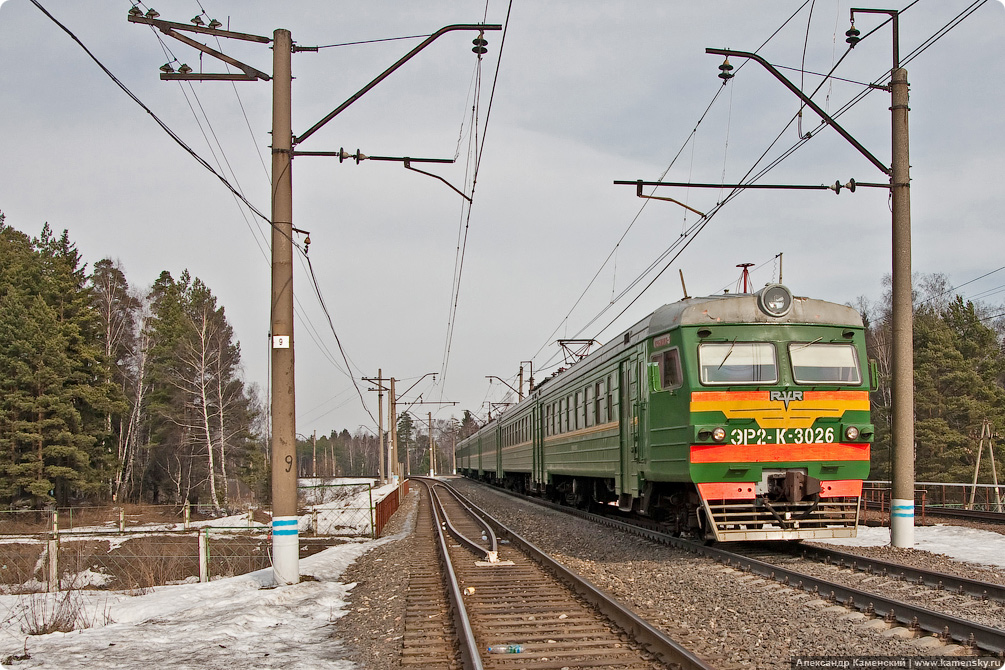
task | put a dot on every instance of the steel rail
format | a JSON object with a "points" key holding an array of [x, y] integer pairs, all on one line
{"points": [[981, 514], [948, 627], [493, 541], [470, 657], [490, 552], [937, 580], [653, 640]]}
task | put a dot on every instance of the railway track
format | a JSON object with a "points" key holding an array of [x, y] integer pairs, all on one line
{"points": [[920, 619], [505, 594], [429, 639], [970, 514], [939, 581]]}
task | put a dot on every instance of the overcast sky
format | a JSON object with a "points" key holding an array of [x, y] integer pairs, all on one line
{"points": [[588, 92]]}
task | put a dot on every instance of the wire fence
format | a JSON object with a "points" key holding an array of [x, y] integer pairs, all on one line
{"points": [[138, 547]]}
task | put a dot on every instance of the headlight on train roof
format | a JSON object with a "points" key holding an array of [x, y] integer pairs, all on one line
{"points": [[851, 432], [719, 434], [775, 300]]}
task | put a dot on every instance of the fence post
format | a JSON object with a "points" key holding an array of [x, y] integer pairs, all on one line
{"points": [[204, 555], [188, 515], [53, 583], [122, 520], [314, 520], [373, 525]]}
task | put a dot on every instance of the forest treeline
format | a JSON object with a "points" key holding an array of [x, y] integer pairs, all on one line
{"points": [[109, 394], [959, 380], [113, 394]]}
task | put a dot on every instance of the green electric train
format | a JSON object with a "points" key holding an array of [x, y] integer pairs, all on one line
{"points": [[732, 417]]}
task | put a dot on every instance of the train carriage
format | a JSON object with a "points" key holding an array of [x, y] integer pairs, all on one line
{"points": [[734, 417]]}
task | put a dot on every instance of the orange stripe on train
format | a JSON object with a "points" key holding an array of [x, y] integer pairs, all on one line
{"points": [[778, 453], [786, 409], [841, 488]]}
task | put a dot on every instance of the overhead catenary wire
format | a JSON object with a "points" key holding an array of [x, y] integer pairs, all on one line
{"points": [[697, 229], [206, 165], [549, 340], [149, 111], [455, 297]]}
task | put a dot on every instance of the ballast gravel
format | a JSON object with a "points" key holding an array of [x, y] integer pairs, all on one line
{"points": [[732, 619]]}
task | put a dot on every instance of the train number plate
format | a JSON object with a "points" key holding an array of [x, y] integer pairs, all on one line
{"points": [[782, 435]]}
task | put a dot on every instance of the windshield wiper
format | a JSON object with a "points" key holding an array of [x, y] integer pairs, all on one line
{"points": [[733, 344], [808, 344]]}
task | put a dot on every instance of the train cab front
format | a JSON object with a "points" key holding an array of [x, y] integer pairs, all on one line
{"points": [[781, 422], [781, 483]]}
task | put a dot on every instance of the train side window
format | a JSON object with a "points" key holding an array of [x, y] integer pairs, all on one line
{"points": [[668, 363], [598, 393], [610, 398], [588, 407]]}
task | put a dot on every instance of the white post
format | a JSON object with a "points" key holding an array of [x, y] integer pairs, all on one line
{"points": [[53, 584], [204, 555], [122, 520]]}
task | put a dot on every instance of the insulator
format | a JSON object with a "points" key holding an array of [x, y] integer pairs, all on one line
{"points": [[725, 71], [197, 20], [135, 11], [214, 24], [185, 69], [852, 35], [152, 13], [479, 45], [166, 68]]}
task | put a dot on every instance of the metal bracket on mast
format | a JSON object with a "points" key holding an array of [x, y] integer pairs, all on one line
{"points": [[170, 29]]}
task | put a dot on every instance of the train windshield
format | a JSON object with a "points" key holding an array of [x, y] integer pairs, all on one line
{"points": [[814, 363], [737, 363]]}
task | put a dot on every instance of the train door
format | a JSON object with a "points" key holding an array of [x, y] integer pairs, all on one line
{"points": [[628, 402], [640, 400], [537, 469]]}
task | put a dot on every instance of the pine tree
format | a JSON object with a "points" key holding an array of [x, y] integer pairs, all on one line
{"points": [[53, 377], [204, 410]]}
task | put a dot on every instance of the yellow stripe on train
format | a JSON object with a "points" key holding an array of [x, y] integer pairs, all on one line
{"points": [[780, 409]]}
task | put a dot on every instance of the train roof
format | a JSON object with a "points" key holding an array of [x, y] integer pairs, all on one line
{"points": [[743, 308], [736, 308], [718, 309]]}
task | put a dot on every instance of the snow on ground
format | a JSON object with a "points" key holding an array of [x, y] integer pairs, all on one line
{"points": [[958, 542], [243, 623], [235, 623]]}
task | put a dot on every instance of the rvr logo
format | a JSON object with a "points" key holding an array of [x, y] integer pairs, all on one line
{"points": [[786, 396]]}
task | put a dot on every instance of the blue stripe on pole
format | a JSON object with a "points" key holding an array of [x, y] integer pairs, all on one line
{"points": [[284, 527], [902, 511]]}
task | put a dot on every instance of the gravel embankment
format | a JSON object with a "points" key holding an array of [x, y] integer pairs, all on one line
{"points": [[372, 630]]}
